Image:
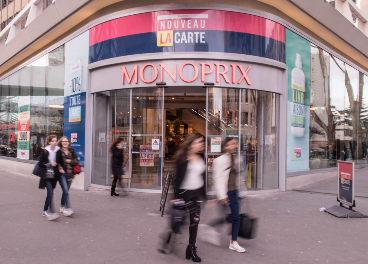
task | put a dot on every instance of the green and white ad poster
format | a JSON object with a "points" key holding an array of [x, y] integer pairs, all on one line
{"points": [[298, 62], [24, 117]]}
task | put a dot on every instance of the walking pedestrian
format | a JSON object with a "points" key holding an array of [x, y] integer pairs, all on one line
{"points": [[188, 186], [117, 160], [70, 159], [49, 161], [226, 175]]}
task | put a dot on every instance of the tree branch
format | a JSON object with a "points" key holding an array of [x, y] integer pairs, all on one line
{"points": [[319, 121]]}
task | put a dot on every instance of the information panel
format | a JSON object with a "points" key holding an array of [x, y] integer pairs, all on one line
{"points": [[346, 182], [23, 127]]}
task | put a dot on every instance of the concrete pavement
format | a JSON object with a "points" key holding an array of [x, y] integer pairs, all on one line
{"points": [[109, 229]]}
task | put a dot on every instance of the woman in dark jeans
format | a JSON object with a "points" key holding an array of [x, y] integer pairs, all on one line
{"points": [[117, 160], [226, 184], [188, 186], [70, 159], [49, 160]]}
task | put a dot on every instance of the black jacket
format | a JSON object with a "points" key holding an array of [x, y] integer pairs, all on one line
{"points": [[117, 160], [181, 169], [43, 160]]}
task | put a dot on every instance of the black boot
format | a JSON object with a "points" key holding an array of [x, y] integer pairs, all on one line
{"points": [[113, 193], [192, 254]]}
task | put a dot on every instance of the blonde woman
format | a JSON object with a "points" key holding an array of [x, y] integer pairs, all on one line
{"points": [[70, 158]]}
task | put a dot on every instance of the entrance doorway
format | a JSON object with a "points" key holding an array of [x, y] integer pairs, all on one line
{"points": [[184, 113], [154, 121]]}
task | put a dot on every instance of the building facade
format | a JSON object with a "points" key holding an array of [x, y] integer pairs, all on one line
{"points": [[291, 89]]}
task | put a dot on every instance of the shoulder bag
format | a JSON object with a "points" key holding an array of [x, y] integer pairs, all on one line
{"points": [[77, 167], [37, 170]]}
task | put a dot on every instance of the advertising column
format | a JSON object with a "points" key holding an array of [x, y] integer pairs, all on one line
{"points": [[24, 114], [298, 62], [76, 62]]}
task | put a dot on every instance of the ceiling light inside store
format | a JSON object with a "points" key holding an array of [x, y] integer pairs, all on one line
{"points": [[56, 106]]}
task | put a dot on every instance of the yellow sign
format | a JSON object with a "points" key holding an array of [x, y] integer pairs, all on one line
{"points": [[164, 38]]}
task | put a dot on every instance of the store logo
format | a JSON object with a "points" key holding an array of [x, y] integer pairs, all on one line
{"points": [[73, 137], [181, 29], [220, 70], [164, 38]]}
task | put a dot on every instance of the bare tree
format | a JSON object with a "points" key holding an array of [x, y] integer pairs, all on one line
{"points": [[329, 128]]}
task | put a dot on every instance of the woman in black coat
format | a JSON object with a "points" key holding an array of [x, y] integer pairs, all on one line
{"points": [[189, 188], [52, 160], [117, 159]]}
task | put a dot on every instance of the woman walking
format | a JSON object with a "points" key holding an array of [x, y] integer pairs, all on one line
{"points": [[49, 161], [117, 159], [70, 159], [188, 188], [226, 183]]}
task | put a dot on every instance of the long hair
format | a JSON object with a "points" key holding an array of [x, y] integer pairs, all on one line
{"points": [[61, 144], [49, 139], [182, 152], [113, 144]]}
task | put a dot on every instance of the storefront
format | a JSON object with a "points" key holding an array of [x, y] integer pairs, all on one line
{"points": [[153, 75], [196, 79]]}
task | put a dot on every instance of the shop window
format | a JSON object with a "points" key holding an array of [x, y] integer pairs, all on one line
{"points": [[222, 107], [245, 118], [4, 112]]}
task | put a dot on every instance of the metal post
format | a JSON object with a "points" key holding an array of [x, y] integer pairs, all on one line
{"points": [[239, 131], [206, 139], [130, 139]]}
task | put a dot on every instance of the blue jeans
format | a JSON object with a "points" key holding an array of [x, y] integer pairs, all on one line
{"points": [[233, 218], [65, 186], [50, 193]]}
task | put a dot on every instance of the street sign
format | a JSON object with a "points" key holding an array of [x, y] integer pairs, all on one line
{"points": [[346, 183]]}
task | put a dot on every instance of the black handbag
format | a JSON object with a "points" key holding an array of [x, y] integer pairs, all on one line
{"points": [[248, 226], [50, 173]]}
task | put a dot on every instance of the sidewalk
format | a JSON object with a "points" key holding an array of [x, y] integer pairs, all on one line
{"points": [[109, 229]]}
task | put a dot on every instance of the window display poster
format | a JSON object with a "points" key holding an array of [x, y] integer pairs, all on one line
{"points": [[298, 61], [146, 159], [215, 144], [346, 182], [24, 113], [155, 144], [102, 137], [76, 63]]}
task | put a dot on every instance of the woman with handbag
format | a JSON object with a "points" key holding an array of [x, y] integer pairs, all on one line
{"points": [[226, 183], [70, 159], [50, 173], [188, 186], [117, 159]]}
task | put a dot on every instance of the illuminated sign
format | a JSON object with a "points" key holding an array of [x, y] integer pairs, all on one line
{"points": [[221, 71]]}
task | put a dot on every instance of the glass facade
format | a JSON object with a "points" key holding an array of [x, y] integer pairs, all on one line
{"points": [[338, 126], [143, 116], [327, 107], [43, 83]]}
